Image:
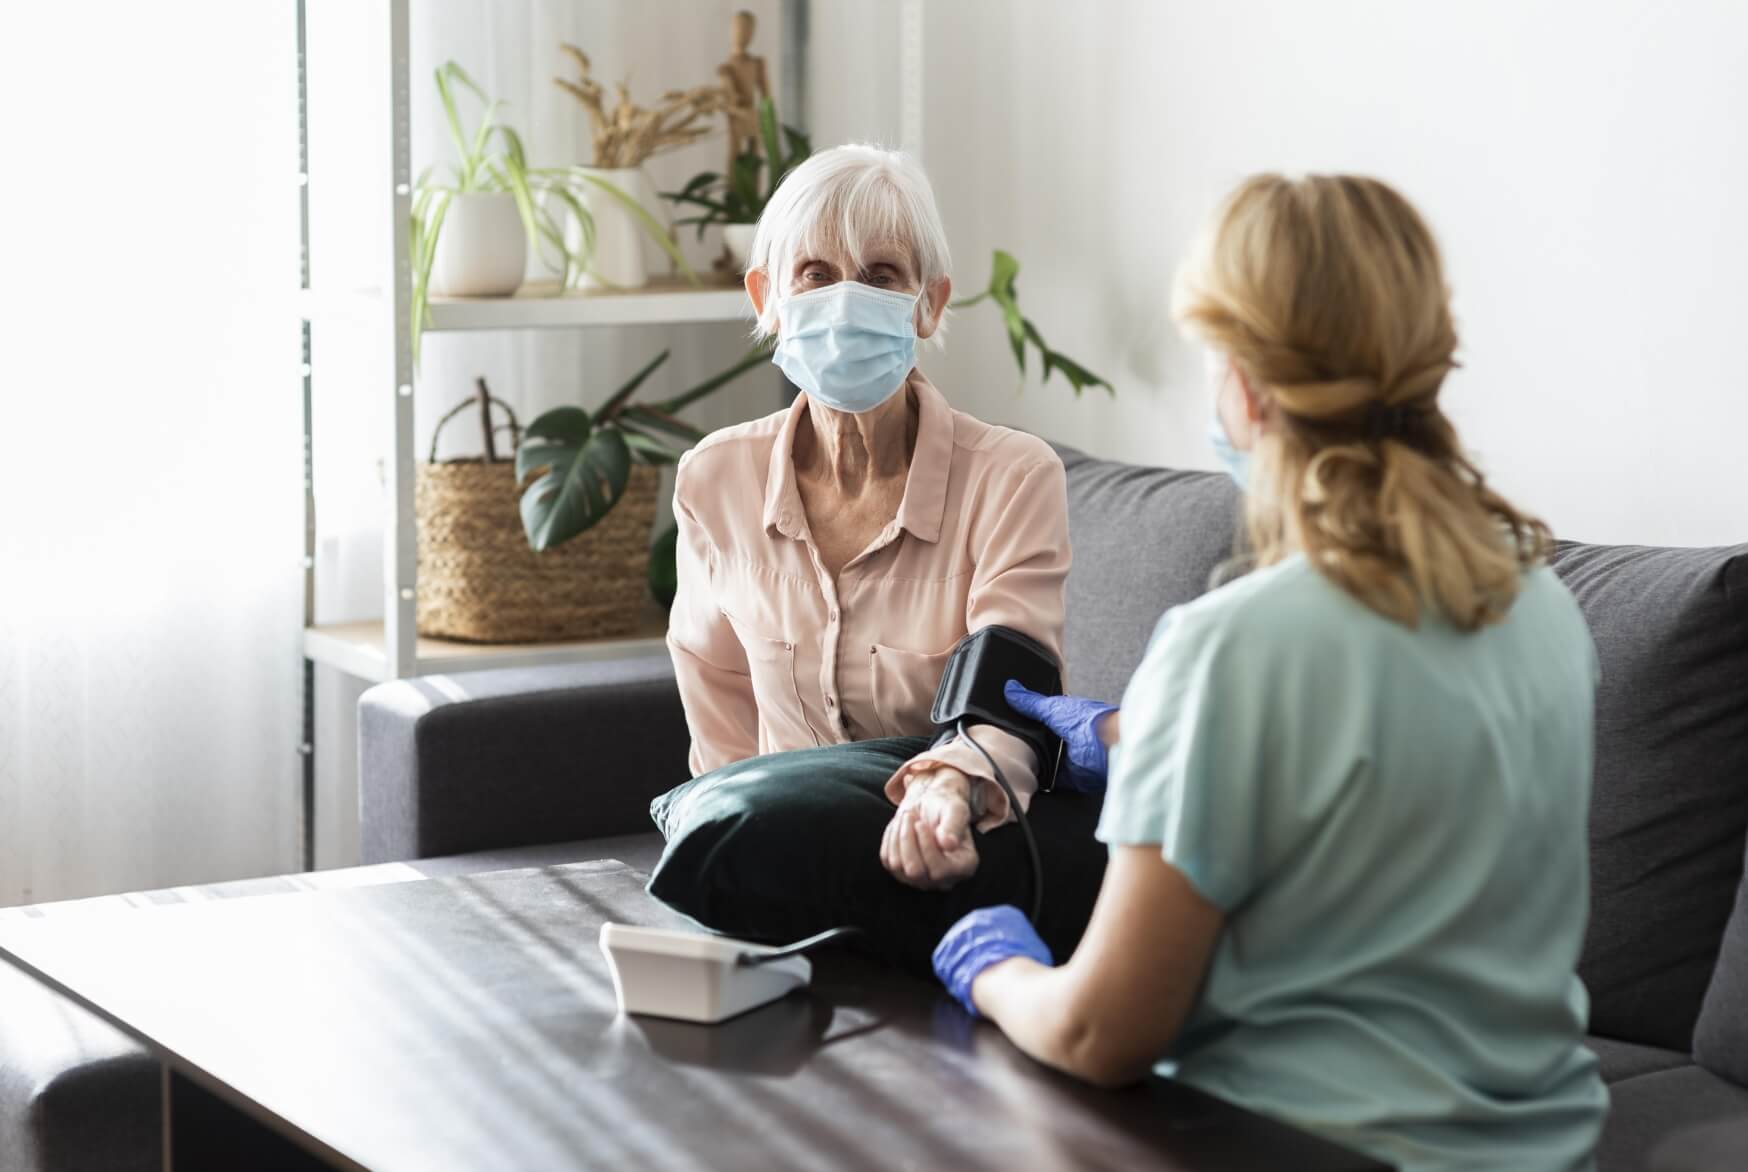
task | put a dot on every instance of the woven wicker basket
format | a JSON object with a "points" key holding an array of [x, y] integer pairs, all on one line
{"points": [[479, 580]]}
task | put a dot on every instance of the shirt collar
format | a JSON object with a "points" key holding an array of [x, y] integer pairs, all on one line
{"points": [[925, 486]]}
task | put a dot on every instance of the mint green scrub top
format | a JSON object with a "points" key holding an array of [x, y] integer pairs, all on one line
{"points": [[1394, 822]]}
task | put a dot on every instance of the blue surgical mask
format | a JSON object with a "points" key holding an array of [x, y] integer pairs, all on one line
{"points": [[1236, 462], [1216, 367], [850, 346]]}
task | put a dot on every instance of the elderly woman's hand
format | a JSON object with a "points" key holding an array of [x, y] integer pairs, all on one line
{"points": [[928, 842]]}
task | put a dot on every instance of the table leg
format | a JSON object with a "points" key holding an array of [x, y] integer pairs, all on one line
{"points": [[204, 1133]]}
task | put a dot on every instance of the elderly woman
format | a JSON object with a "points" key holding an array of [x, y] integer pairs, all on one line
{"points": [[832, 554]]}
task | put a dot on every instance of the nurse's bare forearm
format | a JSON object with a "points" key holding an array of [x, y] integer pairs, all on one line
{"points": [[1113, 1008], [1041, 1011]]}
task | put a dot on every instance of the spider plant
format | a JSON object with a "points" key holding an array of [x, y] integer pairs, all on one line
{"points": [[491, 158]]}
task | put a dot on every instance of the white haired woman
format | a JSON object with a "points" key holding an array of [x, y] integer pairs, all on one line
{"points": [[832, 554]]}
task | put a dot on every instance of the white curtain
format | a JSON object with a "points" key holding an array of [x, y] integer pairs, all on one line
{"points": [[150, 478], [150, 489]]}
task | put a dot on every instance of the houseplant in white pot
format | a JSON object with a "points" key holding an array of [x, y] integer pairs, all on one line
{"points": [[622, 138], [472, 233], [736, 200]]}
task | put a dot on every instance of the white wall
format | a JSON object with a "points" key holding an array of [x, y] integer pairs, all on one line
{"points": [[1584, 164]]}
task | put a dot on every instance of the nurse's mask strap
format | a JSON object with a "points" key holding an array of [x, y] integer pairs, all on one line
{"points": [[971, 691]]}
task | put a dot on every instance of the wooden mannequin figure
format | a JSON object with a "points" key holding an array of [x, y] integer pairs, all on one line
{"points": [[745, 83]]}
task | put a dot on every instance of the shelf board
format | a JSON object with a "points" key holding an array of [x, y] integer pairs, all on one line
{"points": [[539, 305], [358, 649]]}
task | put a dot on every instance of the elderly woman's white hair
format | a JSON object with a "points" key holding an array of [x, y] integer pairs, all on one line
{"points": [[857, 197]]}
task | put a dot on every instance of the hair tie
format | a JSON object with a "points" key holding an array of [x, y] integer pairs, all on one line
{"points": [[1389, 420]]}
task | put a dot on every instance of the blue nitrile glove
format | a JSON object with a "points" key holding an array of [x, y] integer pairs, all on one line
{"points": [[1076, 720], [986, 936]]}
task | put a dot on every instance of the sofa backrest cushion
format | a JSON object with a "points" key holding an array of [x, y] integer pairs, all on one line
{"points": [[1720, 1038], [1145, 540], [1670, 799]]}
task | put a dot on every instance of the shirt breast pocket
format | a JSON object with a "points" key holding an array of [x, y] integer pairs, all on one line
{"points": [[771, 664], [904, 685]]}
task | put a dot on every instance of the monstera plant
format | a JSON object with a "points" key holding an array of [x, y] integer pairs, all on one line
{"points": [[581, 461]]}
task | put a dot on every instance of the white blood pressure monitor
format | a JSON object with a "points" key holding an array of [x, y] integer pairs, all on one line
{"points": [[694, 977]]}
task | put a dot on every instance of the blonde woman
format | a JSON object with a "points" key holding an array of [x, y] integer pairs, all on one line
{"points": [[1347, 885]]}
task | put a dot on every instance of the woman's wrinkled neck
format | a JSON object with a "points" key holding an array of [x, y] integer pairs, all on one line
{"points": [[849, 451]]}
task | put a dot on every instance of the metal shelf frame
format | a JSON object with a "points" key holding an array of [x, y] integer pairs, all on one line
{"points": [[391, 649]]}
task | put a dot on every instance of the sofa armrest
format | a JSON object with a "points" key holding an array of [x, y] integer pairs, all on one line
{"points": [[516, 757]]}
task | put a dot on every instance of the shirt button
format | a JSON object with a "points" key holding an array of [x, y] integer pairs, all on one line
{"points": [[830, 703], [834, 616]]}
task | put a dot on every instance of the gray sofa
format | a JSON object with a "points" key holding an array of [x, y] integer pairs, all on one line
{"points": [[524, 767]]}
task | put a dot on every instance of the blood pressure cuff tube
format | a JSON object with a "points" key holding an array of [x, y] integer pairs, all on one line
{"points": [[972, 691]]}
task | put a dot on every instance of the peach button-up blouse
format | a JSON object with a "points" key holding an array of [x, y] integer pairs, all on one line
{"points": [[772, 653]]}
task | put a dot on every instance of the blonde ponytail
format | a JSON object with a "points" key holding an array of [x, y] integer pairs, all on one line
{"points": [[1328, 294]]}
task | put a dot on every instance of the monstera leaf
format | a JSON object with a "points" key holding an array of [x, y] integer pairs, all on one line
{"points": [[585, 469]]}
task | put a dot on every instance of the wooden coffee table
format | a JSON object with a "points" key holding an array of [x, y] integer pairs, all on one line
{"points": [[469, 1023]]}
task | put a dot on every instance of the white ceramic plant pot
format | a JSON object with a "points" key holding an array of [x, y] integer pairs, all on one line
{"points": [[655, 258], [619, 238], [481, 247], [738, 239]]}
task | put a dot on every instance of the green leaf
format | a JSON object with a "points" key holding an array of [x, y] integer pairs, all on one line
{"points": [[617, 399], [427, 222], [800, 149], [744, 203], [1016, 326], [647, 450], [585, 475], [773, 146], [1037, 339], [447, 96], [659, 420], [702, 222], [1079, 375], [698, 182], [561, 427], [639, 213], [1003, 270], [714, 205], [576, 263], [756, 357], [664, 575]]}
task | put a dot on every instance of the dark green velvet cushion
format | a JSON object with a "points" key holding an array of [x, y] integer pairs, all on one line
{"points": [[782, 846]]}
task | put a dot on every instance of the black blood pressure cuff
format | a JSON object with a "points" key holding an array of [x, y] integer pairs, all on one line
{"points": [[972, 686]]}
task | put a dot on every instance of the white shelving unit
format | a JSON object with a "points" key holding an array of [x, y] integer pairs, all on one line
{"points": [[390, 648]]}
